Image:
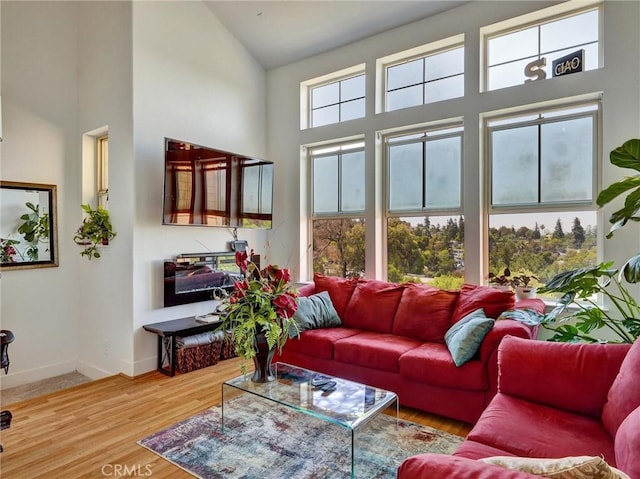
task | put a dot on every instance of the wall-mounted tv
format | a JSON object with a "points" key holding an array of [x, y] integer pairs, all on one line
{"points": [[209, 187]]}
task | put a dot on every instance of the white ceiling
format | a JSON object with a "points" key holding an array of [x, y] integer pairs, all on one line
{"points": [[280, 32]]}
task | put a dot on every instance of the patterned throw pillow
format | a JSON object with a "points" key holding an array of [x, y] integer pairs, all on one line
{"points": [[579, 467]]}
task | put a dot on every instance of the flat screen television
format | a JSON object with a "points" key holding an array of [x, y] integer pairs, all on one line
{"points": [[199, 277], [209, 187]]}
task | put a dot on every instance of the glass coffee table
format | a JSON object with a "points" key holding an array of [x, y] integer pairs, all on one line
{"points": [[349, 405]]}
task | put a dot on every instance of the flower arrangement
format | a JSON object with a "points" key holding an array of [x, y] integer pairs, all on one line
{"points": [[263, 303], [8, 250]]}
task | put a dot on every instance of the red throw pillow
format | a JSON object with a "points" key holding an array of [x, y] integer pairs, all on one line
{"points": [[493, 301], [373, 306], [340, 290], [424, 313]]}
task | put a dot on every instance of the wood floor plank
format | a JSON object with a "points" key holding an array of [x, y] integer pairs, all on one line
{"points": [[90, 431]]}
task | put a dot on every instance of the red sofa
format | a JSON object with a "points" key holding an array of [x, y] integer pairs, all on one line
{"points": [[554, 400], [392, 337]]}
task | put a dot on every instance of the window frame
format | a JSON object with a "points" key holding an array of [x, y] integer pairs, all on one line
{"points": [[537, 18], [337, 77], [102, 170]]}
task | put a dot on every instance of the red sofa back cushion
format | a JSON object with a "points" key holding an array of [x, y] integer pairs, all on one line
{"points": [[373, 306], [424, 313], [340, 290], [624, 395], [492, 300]]}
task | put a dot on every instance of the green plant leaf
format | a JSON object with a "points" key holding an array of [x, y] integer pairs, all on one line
{"points": [[631, 269], [627, 155]]}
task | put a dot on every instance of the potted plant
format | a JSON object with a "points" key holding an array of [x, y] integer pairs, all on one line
{"points": [[520, 284], [258, 314], [96, 229], [580, 288], [34, 229]]}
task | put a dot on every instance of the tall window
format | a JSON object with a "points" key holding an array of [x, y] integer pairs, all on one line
{"points": [[425, 227], [102, 157], [338, 101], [542, 214], [338, 191], [508, 52], [429, 78]]}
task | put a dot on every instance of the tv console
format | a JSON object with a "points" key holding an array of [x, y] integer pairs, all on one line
{"points": [[167, 332]]}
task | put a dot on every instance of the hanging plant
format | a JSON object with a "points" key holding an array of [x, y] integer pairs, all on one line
{"points": [[96, 229]]}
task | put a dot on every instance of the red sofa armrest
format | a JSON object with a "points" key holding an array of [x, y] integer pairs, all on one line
{"points": [[575, 377], [441, 466], [307, 289]]}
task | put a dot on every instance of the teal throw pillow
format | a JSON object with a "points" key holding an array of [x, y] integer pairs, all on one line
{"points": [[465, 337], [315, 311]]}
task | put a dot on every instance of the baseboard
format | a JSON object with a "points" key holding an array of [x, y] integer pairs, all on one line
{"points": [[144, 366], [92, 371], [37, 374]]}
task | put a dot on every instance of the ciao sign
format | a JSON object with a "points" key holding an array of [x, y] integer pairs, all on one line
{"points": [[571, 63]]}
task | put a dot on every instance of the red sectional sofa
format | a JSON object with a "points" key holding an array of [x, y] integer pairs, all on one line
{"points": [[392, 337], [554, 400]]}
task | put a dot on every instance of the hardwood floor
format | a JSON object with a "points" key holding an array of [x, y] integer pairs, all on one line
{"points": [[91, 430]]}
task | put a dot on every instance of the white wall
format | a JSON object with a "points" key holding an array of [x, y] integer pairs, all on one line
{"points": [[145, 70], [619, 80], [192, 81], [39, 102]]}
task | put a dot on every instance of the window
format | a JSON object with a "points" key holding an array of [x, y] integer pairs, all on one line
{"points": [[542, 214], [508, 52], [425, 227], [338, 101], [102, 156], [338, 199], [427, 79]]}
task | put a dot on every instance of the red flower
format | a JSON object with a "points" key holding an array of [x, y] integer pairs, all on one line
{"points": [[242, 261], [283, 275], [285, 304]]}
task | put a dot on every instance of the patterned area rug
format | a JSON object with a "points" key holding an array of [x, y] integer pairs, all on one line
{"points": [[265, 441]]}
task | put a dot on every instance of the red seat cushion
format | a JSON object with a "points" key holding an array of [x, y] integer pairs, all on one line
{"points": [[424, 313], [318, 342], [373, 306], [628, 444], [340, 290], [624, 394], [431, 363], [530, 429], [373, 350], [492, 300]]}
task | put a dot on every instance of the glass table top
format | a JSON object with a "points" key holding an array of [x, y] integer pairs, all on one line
{"points": [[350, 404]]}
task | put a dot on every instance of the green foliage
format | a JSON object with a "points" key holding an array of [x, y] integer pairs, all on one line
{"points": [[625, 156], [580, 289], [447, 282], [34, 229], [96, 229]]}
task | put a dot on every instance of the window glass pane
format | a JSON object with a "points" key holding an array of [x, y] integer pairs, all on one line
{"points": [[325, 184], [338, 247], [443, 173], [590, 58], [569, 31], [452, 87], [514, 169], [513, 46], [353, 181], [542, 244], [567, 160], [426, 250], [405, 74], [352, 88], [405, 177], [326, 115], [444, 64], [509, 74], [326, 95], [352, 109], [216, 189], [404, 98]]}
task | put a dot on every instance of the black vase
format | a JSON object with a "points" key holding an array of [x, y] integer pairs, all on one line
{"points": [[262, 361]]}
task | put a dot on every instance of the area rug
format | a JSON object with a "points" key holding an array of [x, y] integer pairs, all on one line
{"points": [[265, 441]]}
